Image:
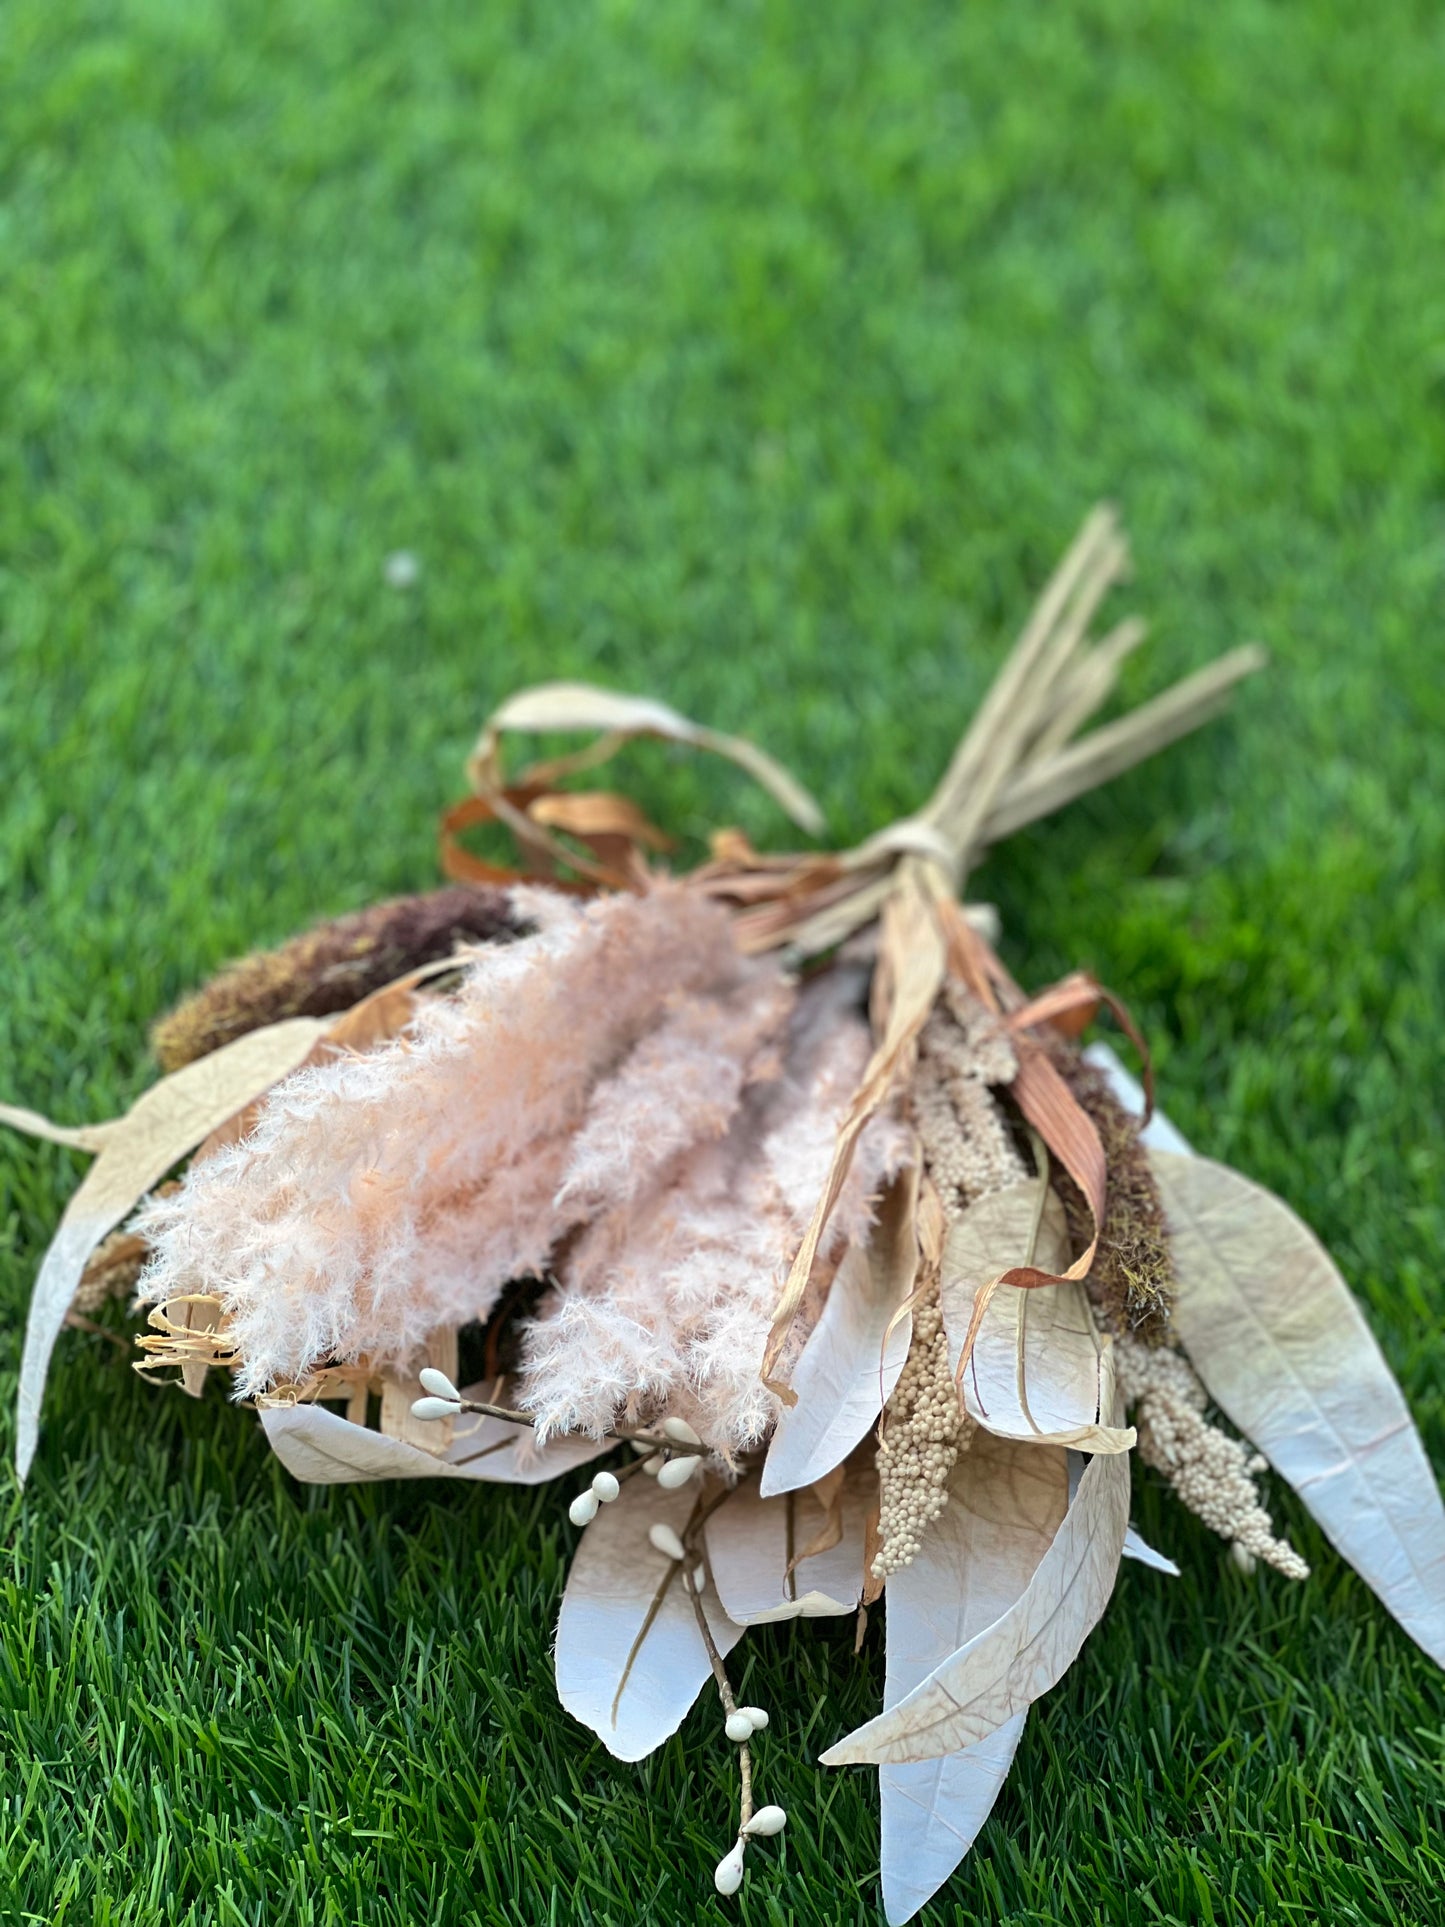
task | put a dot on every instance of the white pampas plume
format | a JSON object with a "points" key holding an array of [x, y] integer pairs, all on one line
{"points": [[390, 1192]]}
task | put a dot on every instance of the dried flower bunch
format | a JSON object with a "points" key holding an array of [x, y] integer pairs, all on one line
{"points": [[767, 1187]]}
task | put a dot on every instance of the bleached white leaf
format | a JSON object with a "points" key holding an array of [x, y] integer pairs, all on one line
{"points": [[750, 1541], [1006, 1502], [1038, 1371], [1285, 1351], [1136, 1546], [852, 1360], [630, 1658], [1158, 1134], [320, 1447], [164, 1125], [1004, 1668]]}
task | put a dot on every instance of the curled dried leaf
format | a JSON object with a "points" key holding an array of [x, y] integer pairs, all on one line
{"points": [[1038, 1370]]}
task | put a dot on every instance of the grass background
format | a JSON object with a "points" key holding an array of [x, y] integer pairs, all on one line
{"points": [[762, 357]]}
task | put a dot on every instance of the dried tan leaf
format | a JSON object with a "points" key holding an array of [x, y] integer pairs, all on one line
{"points": [[1038, 1370], [1038, 789], [1001, 1670], [164, 1125], [75, 1137], [630, 1658], [598, 815], [1286, 1352], [752, 1542], [856, 1351], [909, 974], [1005, 1506], [320, 1447], [564, 706]]}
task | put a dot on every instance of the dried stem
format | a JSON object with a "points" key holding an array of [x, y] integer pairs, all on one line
{"points": [[675, 1448], [692, 1541]]}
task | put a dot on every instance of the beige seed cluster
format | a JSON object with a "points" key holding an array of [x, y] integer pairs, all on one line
{"points": [[967, 1147], [967, 1153], [1212, 1473], [926, 1430]]}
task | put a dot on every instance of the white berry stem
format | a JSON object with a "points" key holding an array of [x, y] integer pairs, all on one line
{"points": [[694, 1577]]}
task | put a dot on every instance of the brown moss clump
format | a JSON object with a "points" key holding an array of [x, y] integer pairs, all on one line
{"points": [[331, 967], [1130, 1284]]}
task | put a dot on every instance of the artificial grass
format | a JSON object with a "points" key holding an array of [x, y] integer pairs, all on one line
{"points": [[762, 358]]}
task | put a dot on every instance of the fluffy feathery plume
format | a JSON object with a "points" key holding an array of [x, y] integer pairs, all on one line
{"points": [[667, 1304], [332, 967], [390, 1192], [1210, 1472]]}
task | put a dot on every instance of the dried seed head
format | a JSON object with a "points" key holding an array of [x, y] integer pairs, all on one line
{"points": [[925, 1432], [605, 1487], [967, 1144], [756, 1714], [665, 1540], [583, 1509], [652, 1464], [738, 1727], [1210, 1472], [439, 1385], [766, 1822], [433, 1408], [728, 1874], [677, 1472], [679, 1429], [331, 967]]}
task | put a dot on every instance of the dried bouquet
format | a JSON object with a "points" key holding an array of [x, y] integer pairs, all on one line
{"points": [[765, 1195]]}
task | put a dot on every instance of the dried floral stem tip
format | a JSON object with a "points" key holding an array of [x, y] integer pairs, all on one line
{"points": [[439, 1385], [664, 1540], [676, 1472], [434, 1408], [728, 1874], [766, 1822]]}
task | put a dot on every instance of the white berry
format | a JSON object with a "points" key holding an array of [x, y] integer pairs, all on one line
{"points": [[767, 1820], [665, 1539], [677, 1472], [728, 1875]]}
